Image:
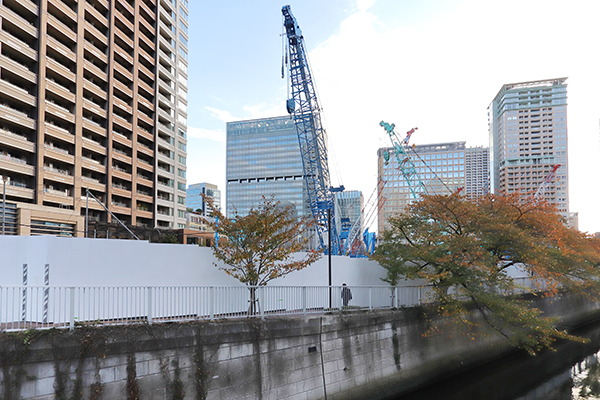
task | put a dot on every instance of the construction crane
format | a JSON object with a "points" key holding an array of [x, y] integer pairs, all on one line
{"points": [[405, 164], [303, 107], [539, 194]]}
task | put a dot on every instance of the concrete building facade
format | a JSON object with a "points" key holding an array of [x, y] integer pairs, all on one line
{"points": [[528, 136], [443, 168], [94, 97]]}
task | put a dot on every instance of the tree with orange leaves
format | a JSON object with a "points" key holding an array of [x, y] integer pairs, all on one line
{"points": [[261, 246], [465, 249]]}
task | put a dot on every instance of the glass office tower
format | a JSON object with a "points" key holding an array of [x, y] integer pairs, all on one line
{"points": [[263, 159]]}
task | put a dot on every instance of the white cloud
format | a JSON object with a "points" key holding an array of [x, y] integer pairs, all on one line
{"points": [[441, 74], [263, 110], [222, 115], [200, 133]]}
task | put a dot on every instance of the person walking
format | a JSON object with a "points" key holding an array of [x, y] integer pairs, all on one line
{"points": [[346, 295]]}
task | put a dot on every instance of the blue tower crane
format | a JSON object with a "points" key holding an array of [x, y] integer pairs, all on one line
{"points": [[303, 107]]}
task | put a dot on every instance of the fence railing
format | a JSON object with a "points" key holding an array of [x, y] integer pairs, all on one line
{"points": [[42, 307]]}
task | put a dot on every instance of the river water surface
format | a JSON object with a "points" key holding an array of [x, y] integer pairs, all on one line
{"points": [[570, 373]]}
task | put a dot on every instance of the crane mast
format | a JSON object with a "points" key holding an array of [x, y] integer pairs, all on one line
{"points": [[303, 107]]}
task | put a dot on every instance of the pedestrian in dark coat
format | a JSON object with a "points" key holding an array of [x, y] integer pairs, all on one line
{"points": [[346, 295]]}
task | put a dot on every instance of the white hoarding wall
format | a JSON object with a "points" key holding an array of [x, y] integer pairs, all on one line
{"points": [[106, 262]]}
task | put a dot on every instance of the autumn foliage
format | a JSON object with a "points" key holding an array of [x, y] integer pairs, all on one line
{"points": [[260, 246], [470, 250]]}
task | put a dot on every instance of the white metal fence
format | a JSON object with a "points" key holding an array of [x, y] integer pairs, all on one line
{"points": [[38, 307]]}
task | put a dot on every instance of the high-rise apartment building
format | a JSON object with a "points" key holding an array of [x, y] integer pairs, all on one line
{"points": [[93, 95], [528, 137], [443, 168], [477, 171], [263, 159], [196, 202]]}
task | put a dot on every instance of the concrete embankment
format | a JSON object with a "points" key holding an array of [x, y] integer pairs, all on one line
{"points": [[349, 355]]}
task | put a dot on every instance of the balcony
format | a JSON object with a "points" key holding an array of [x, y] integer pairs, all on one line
{"points": [[121, 156], [17, 68], [122, 122], [66, 11], [16, 116], [17, 44], [95, 70], [94, 108], [16, 164], [53, 175], [145, 180], [121, 190], [60, 112], [17, 92], [20, 190], [59, 154], [64, 30], [26, 26], [123, 36], [60, 69], [121, 173], [95, 51], [16, 141], [93, 146], [59, 90], [96, 14], [93, 184], [97, 90], [93, 165], [59, 132], [58, 196]]}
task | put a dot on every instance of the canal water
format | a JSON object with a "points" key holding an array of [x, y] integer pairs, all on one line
{"points": [[570, 373]]}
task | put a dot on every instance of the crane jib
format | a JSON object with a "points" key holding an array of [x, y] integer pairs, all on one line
{"points": [[304, 109]]}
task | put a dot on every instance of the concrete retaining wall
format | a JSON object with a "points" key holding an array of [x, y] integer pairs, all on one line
{"points": [[349, 355]]}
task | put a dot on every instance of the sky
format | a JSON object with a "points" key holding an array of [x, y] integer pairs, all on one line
{"points": [[431, 64]]}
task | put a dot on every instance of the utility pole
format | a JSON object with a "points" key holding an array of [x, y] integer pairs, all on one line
{"points": [[4, 179], [329, 250], [87, 198]]}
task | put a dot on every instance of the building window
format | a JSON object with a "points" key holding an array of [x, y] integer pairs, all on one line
{"points": [[181, 146], [181, 172], [183, 27], [181, 199], [181, 213], [183, 40], [183, 53], [183, 14], [182, 160]]}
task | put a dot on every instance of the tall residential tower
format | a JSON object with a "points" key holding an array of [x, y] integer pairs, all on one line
{"points": [[93, 95], [528, 137]]}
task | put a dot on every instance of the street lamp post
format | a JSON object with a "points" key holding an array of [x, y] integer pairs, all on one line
{"points": [[4, 180]]}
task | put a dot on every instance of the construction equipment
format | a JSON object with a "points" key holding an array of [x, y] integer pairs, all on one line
{"points": [[303, 107], [405, 163], [539, 194]]}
